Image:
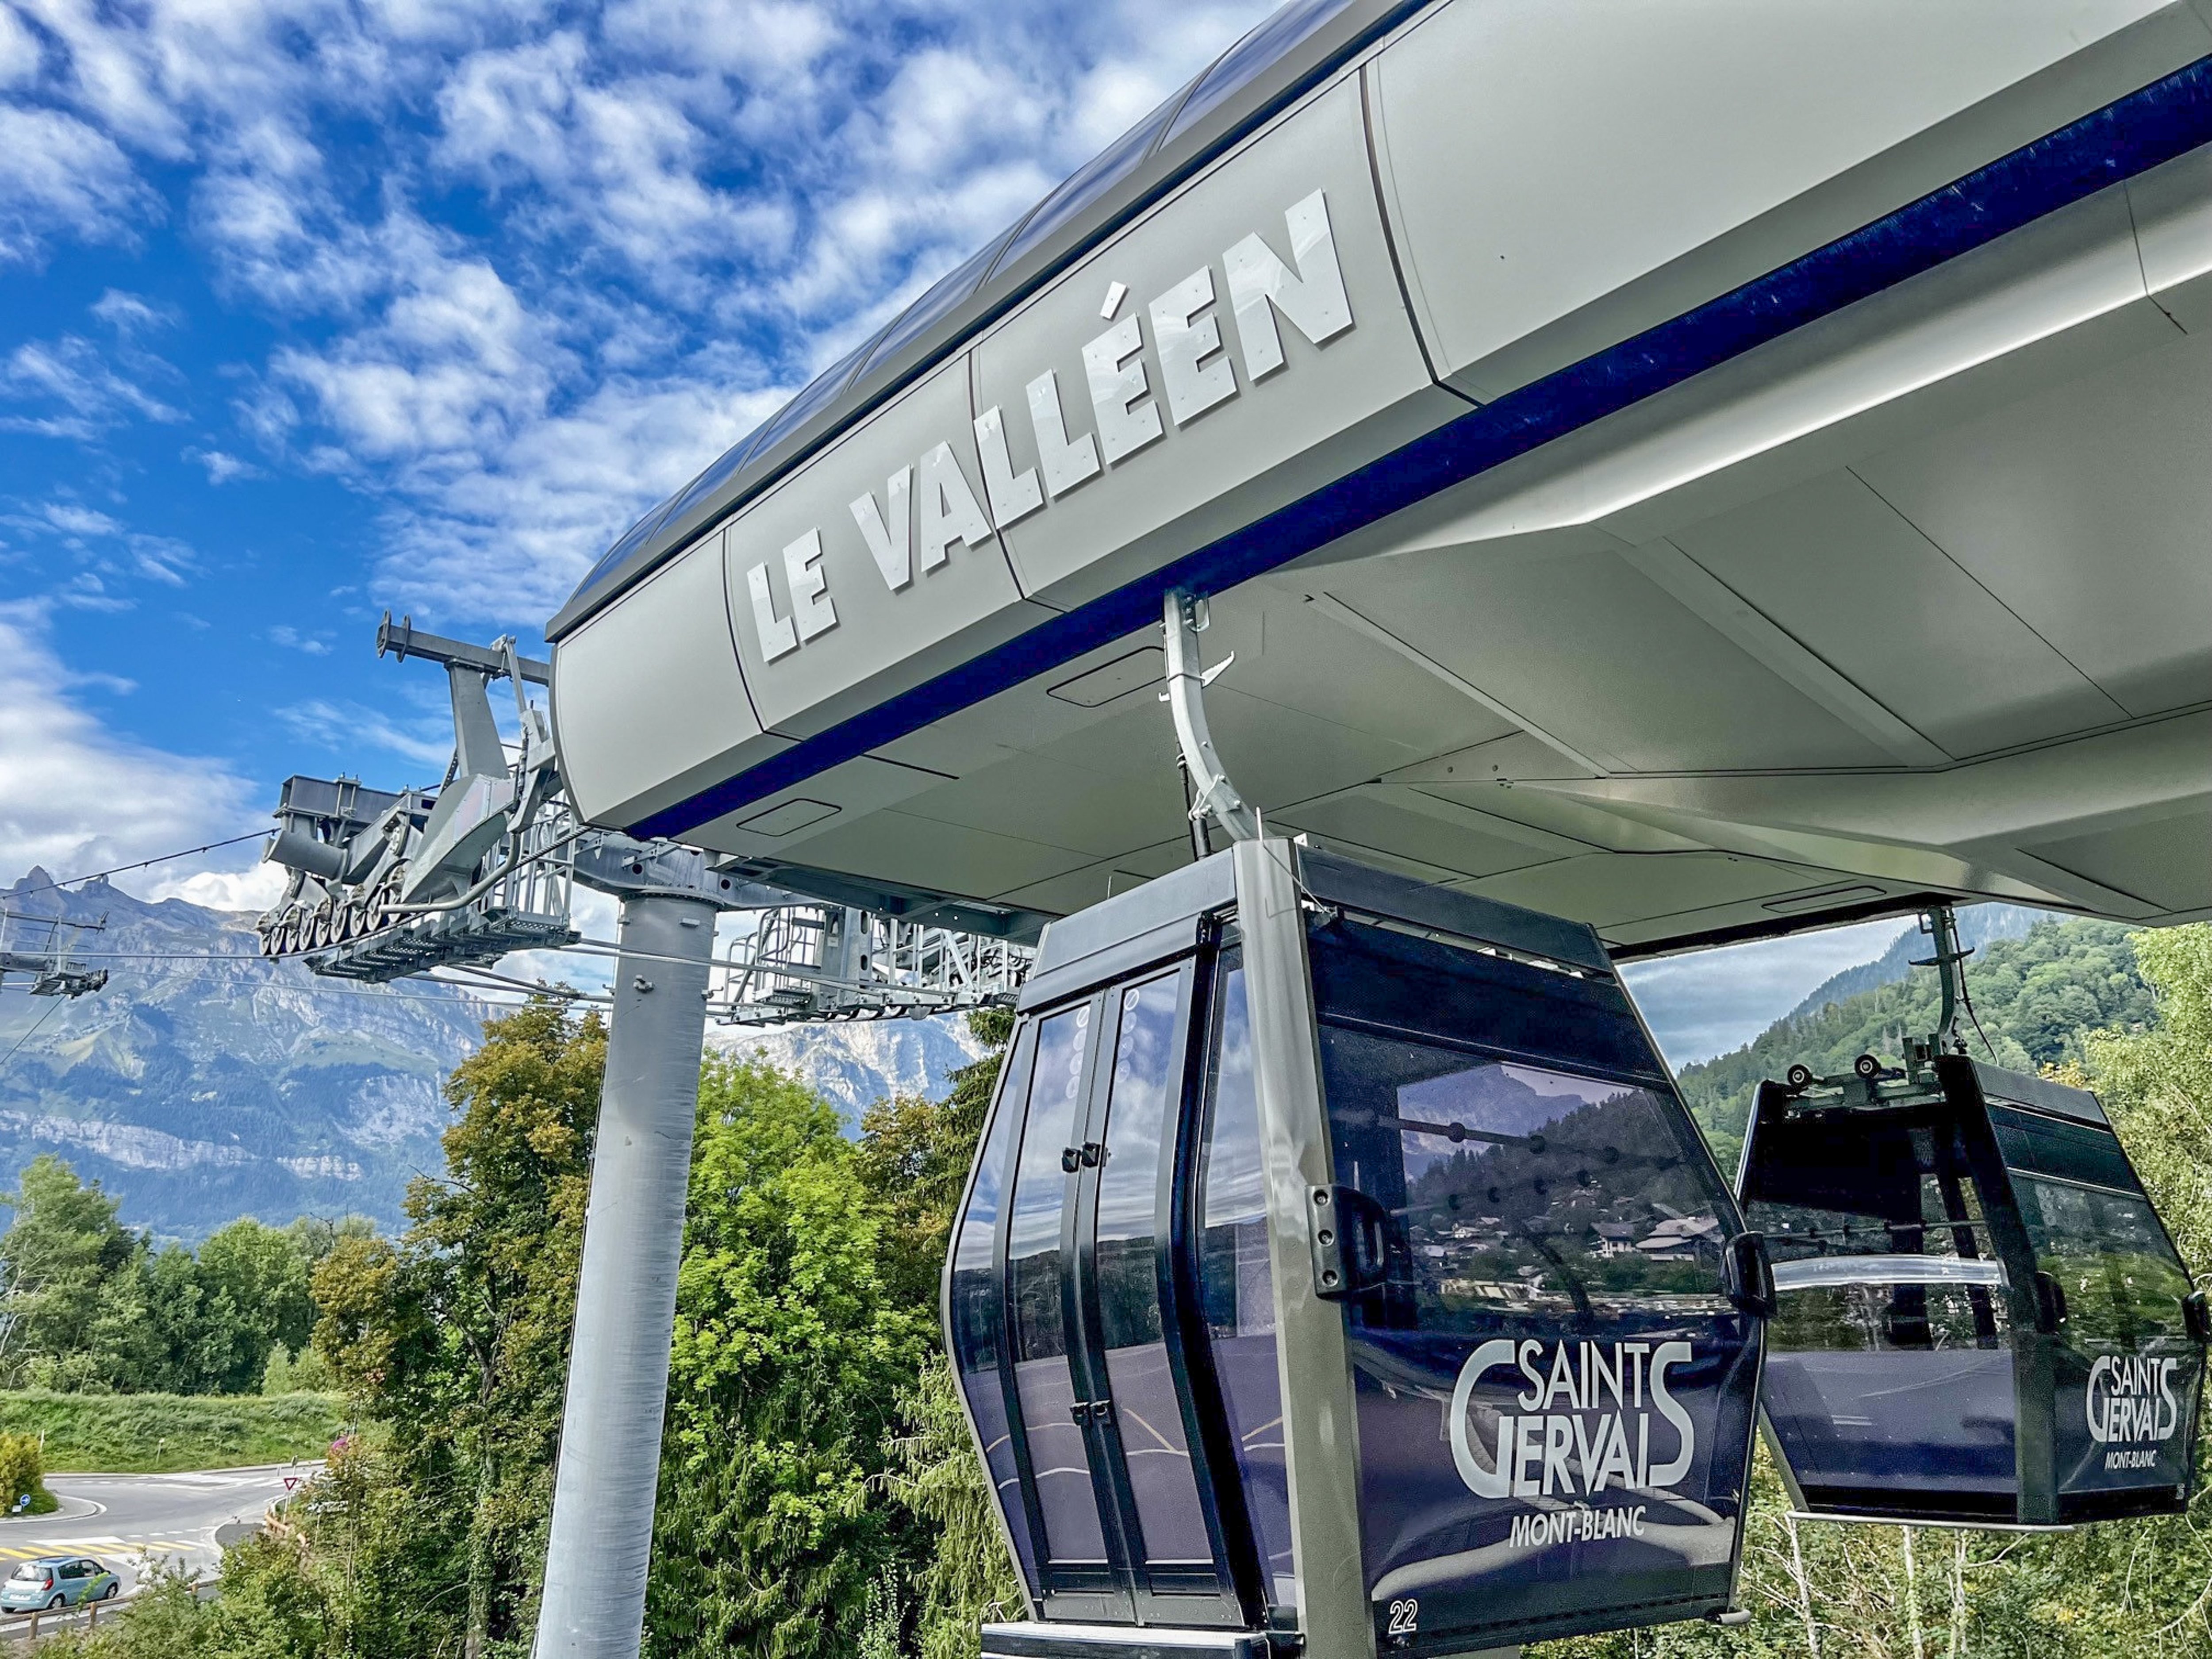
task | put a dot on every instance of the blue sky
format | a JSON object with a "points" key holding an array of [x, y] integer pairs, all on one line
{"points": [[312, 309]]}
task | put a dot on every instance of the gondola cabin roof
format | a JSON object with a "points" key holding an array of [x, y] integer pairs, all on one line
{"points": [[1663, 468]]}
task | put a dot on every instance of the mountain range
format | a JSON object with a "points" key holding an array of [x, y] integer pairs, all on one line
{"points": [[1978, 924], [205, 1082]]}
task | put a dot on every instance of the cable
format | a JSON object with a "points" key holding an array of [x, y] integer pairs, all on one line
{"points": [[33, 1032], [165, 858], [1967, 1002]]}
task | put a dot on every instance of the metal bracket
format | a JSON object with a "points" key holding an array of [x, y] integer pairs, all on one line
{"points": [[615, 865], [1188, 678], [1941, 922]]}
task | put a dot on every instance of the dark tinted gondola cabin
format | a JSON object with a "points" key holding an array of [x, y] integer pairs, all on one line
{"points": [[1980, 1318], [1340, 1260]]}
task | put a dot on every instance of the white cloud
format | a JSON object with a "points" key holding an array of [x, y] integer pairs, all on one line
{"points": [[128, 313], [346, 728], [221, 468], [77, 797], [80, 393], [253, 889], [74, 520], [292, 640], [19, 50], [62, 177]]}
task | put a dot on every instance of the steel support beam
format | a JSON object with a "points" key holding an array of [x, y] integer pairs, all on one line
{"points": [[610, 1458]]}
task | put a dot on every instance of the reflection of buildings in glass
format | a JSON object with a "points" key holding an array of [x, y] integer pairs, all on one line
{"points": [[1681, 1238], [1611, 1238]]}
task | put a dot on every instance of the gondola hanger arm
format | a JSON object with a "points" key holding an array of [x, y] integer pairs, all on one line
{"points": [[1213, 795]]}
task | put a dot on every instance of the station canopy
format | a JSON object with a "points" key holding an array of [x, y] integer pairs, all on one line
{"points": [[1667, 468]]}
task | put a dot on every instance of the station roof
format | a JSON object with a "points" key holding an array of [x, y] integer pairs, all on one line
{"points": [[1280, 58], [1663, 469]]}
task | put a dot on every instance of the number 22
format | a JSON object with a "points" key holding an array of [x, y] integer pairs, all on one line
{"points": [[1405, 1616]]}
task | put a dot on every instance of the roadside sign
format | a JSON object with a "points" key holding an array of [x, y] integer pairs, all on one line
{"points": [[290, 1481]]}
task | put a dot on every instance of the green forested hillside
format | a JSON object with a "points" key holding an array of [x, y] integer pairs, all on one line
{"points": [[2034, 998]]}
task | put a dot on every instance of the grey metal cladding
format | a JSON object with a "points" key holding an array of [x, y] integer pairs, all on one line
{"points": [[1705, 144], [2043, 1093], [1146, 924], [1362, 887], [1302, 61], [1193, 409], [828, 618]]}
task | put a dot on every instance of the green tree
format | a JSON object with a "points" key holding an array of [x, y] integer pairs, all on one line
{"points": [[262, 1274], [792, 1348], [194, 1330], [73, 1312], [455, 1340]]}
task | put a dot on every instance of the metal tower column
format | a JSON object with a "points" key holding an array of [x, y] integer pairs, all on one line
{"points": [[610, 1458]]}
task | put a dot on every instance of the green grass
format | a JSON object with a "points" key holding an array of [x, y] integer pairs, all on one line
{"points": [[155, 1433]]}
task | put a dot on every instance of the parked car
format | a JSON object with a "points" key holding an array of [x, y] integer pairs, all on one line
{"points": [[57, 1581]]}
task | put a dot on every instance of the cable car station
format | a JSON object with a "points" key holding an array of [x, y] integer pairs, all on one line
{"points": [[1464, 495]]}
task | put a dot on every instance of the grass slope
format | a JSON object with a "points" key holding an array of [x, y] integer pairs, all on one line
{"points": [[159, 1433]]}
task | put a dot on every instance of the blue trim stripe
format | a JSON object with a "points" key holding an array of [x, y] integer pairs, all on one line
{"points": [[2140, 131]]}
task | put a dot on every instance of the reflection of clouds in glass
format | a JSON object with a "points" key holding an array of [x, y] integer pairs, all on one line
{"points": [[1235, 1189], [1137, 1110]]}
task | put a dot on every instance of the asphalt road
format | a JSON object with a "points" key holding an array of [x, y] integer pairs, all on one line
{"points": [[136, 1523]]}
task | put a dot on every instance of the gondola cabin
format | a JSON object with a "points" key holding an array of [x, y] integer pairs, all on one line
{"points": [[1340, 1268], [1980, 1318]]}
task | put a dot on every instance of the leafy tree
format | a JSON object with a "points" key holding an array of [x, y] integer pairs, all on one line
{"points": [[455, 1339], [792, 1346], [261, 1274], [75, 1304], [195, 1330], [2034, 998], [22, 1477], [308, 1373]]}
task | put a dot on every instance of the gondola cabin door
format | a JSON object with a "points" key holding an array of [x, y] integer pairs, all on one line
{"points": [[1100, 1427]]}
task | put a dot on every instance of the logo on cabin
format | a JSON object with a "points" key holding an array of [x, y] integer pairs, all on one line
{"points": [[1593, 1418], [2130, 1406], [931, 504]]}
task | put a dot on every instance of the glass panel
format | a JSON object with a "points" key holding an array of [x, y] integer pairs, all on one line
{"points": [[1089, 181], [937, 302], [1554, 1395], [1258, 50], [1140, 1128], [812, 399], [1042, 1379], [633, 539], [2127, 1374], [1237, 1283], [726, 466], [1886, 1390], [977, 1309]]}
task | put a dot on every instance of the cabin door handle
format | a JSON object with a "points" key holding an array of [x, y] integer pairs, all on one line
{"points": [[1747, 1275]]}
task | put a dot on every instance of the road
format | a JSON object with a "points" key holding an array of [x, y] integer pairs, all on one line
{"points": [[136, 1523]]}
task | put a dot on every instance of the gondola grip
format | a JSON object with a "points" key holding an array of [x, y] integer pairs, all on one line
{"points": [[1747, 1275]]}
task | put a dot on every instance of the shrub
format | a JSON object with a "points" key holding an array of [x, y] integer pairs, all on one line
{"points": [[22, 1477]]}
